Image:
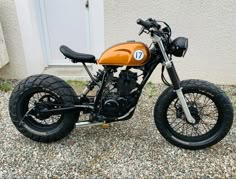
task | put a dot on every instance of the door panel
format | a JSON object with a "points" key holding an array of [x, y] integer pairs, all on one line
{"points": [[65, 22]]}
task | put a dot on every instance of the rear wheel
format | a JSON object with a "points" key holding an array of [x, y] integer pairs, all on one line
{"points": [[41, 92], [207, 103]]}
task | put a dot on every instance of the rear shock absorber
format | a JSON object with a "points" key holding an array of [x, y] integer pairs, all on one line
{"points": [[94, 81]]}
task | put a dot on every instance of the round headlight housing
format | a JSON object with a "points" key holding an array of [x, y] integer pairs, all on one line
{"points": [[179, 46]]}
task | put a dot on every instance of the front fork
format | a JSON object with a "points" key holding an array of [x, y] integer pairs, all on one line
{"points": [[176, 84], [174, 79]]}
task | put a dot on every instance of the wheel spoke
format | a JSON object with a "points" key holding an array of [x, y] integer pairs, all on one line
{"points": [[174, 127], [44, 99], [173, 110], [180, 127], [187, 99], [192, 131], [201, 107], [205, 126], [173, 121], [196, 130]]}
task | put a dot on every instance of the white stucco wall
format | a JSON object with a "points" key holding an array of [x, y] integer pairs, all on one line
{"points": [[209, 25], [16, 69]]}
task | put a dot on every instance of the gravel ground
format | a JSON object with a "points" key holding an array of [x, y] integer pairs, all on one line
{"points": [[132, 149]]}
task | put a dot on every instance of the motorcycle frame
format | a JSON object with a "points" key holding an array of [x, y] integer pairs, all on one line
{"points": [[154, 60], [158, 55]]}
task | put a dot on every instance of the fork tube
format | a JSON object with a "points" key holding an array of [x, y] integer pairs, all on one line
{"points": [[168, 63], [176, 84], [174, 79], [173, 76]]}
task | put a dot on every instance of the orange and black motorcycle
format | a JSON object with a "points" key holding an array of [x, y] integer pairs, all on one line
{"points": [[191, 114]]}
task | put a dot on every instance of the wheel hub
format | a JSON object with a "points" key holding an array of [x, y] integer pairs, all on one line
{"points": [[38, 109], [45, 103], [193, 111]]}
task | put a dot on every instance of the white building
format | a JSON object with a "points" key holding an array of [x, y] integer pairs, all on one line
{"points": [[34, 29]]}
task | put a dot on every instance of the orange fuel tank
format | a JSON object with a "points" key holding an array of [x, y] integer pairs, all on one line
{"points": [[125, 54]]}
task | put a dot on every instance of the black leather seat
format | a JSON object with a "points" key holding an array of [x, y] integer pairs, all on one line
{"points": [[77, 57]]}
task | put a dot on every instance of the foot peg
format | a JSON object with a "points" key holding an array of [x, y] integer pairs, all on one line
{"points": [[105, 125]]}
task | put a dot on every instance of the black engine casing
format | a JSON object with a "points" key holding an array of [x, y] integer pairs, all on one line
{"points": [[114, 107], [126, 82], [119, 103]]}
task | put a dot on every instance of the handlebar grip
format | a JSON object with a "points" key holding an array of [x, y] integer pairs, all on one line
{"points": [[145, 24], [158, 26]]}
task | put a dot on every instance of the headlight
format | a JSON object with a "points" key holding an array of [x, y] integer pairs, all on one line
{"points": [[179, 46]]}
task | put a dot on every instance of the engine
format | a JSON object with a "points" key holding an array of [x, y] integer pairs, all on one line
{"points": [[116, 100]]}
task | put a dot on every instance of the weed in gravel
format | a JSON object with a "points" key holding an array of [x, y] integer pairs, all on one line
{"points": [[5, 86], [151, 89], [78, 86]]}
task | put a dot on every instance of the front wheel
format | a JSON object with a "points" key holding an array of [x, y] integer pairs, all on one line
{"points": [[207, 103]]}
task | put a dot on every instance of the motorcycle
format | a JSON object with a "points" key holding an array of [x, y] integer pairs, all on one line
{"points": [[191, 114]]}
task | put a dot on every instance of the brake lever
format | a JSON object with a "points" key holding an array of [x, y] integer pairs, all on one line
{"points": [[141, 31], [146, 31]]}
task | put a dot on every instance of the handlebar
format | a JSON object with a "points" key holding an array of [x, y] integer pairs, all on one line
{"points": [[153, 27], [146, 24], [149, 23]]}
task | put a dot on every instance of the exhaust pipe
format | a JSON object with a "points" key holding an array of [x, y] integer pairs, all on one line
{"points": [[88, 124]]}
